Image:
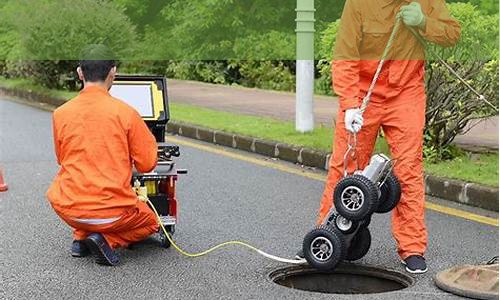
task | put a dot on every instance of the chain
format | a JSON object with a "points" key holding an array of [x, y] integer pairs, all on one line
{"points": [[351, 149]]}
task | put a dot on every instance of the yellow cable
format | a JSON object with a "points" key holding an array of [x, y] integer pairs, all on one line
{"points": [[240, 243]]}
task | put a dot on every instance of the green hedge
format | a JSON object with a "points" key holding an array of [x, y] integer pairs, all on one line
{"points": [[57, 31]]}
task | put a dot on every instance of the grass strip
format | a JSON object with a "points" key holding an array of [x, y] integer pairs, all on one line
{"points": [[26, 84]]}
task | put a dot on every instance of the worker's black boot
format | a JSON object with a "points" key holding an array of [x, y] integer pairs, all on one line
{"points": [[415, 264], [101, 249], [79, 249]]}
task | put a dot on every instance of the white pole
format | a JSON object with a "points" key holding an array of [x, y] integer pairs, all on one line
{"points": [[304, 106]]}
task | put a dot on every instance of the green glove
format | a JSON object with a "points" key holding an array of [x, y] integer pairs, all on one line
{"points": [[412, 15]]}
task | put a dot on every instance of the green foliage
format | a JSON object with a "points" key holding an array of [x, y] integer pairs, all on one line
{"points": [[266, 75], [434, 154], [328, 38], [143, 14], [278, 45], [30, 85], [207, 29], [246, 30], [327, 43], [56, 33], [208, 71], [479, 36], [485, 6], [50, 73], [145, 67], [229, 29], [452, 107], [60, 29], [275, 75], [9, 45]]}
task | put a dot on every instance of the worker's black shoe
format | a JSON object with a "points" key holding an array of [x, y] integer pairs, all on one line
{"points": [[299, 255], [415, 264], [100, 248], [79, 249]]}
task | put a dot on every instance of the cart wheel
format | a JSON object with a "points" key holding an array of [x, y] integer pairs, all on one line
{"points": [[355, 197], [390, 193], [344, 225], [324, 247], [164, 242], [360, 245]]}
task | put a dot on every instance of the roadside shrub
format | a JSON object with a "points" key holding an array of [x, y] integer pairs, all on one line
{"points": [[273, 75], [479, 39], [146, 67], [51, 35], [206, 71], [8, 37], [325, 51], [452, 108], [485, 6]]}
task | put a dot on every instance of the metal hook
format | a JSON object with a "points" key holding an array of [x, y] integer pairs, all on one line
{"points": [[392, 163], [351, 149]]}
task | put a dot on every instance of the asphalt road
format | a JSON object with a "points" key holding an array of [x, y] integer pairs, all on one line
{"points": [[221, 198]]}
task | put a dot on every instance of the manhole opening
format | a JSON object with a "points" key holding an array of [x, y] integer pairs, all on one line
{"points": [[345, 279]]}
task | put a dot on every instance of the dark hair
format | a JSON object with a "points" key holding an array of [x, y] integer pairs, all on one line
{"points": [[96, 61]]}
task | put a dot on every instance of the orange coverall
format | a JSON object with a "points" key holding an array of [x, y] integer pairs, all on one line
{"points": [[397, 106], [97, 140]]}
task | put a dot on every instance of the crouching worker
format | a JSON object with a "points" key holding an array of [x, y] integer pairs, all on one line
{"points": [[98, 139]]}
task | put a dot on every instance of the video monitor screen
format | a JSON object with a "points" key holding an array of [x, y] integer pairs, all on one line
{"points": [[139, 96]]}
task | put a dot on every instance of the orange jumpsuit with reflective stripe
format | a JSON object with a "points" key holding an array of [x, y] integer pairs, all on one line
{"points": [[397, 105], [97, 140]]}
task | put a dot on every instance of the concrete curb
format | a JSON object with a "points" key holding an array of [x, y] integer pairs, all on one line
{"points": [[453, 190]]}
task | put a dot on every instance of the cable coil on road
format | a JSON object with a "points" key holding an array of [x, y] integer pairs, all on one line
{"points": [[221, 245]]}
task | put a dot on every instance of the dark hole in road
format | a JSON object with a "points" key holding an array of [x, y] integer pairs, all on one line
{"points": [[345, 279]]}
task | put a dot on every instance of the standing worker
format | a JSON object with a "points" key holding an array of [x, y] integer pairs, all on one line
{"points": [[98, 139], [397, 105]]}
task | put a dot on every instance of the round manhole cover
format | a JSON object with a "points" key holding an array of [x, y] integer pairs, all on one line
{"points": [[345, 279]]}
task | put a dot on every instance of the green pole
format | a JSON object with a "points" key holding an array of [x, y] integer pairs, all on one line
{"points": [[304, 107], [305, 29]]}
